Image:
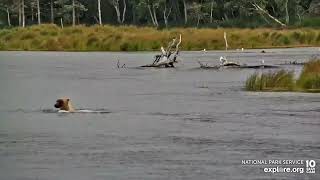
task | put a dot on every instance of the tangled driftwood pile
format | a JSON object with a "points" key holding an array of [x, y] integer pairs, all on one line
{"points": [[168, 56]]}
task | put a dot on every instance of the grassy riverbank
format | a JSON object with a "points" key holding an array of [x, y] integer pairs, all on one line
{"points": [[308, 81], [130, 38]]}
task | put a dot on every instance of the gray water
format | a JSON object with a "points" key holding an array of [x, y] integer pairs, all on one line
{"points": [[183, 123]]}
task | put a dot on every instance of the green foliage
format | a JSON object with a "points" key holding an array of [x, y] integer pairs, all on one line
{"points": [[28, 35], [284, 40], [64, 9], [310, 82], [309, 22], [1, 45], [124, 46], [92, 40], [204, 13], [310, 76]]}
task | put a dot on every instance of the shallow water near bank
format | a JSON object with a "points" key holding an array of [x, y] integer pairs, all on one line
{"points": [[182, 123]]}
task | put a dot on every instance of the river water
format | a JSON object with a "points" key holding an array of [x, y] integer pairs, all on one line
{"points": [[182, 123]]}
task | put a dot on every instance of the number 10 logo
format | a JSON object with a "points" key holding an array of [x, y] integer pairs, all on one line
{"points": [[310, 166]]}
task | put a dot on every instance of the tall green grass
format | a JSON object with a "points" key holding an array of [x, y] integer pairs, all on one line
{"points": [[283, 80], [272, 81], [310, 76], [132, 38]]}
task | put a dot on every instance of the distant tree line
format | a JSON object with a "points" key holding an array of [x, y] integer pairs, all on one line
{"points": [[159, 13]]}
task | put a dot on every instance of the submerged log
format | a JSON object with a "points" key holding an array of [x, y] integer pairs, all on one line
{"points": [[241, 67], [168, 56], [262, 66], [231, 64], [157, 66], [223, 63], [293, 63], [228, 64]]}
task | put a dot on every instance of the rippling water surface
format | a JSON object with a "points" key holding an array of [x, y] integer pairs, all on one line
{"points": [[183, 123]]}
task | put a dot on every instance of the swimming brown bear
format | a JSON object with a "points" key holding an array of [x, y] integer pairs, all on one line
{"points": [[64, 104]]}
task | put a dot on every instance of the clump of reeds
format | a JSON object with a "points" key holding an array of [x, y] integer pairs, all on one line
{"points": [[276, 81], [283, 80], [310, 76]]}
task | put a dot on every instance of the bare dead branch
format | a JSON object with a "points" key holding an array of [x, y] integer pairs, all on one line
{"points": [[178, 44], [258, 8], [167, 58]]}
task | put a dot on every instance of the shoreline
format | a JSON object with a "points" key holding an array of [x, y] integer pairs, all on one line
{"points": [[136, 39], [155, 51]]}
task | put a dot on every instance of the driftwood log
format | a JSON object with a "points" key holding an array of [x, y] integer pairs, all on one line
{"points": [[224, 63], [262, 66], [296, 63], [240, 67], [168, 56]]}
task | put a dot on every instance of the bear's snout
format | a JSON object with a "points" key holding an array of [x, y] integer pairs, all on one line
{"points": [[56, 105]]}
